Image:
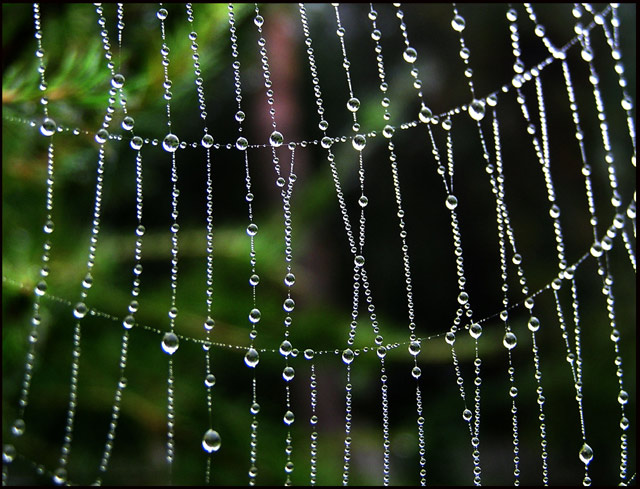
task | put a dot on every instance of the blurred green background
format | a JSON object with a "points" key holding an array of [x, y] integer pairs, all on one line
{"points": [[78, 84]]}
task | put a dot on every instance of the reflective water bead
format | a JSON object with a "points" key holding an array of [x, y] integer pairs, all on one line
{"points": [[458, 23], [359, 142], [348, 356], [388, 131], [359, 260], [209, 324], [128, 322], [102, 136], [242, 143], [41, 288], [240, 116], [353, 104], [8, 453], [586, 454], [48, 127], [554, 211], [18, 427], [207, 141], [450, 338], [309, 353], [463, 298], [623, 397], [258, 20], [252, 358], [117, 81], [288, 373], [255, 315], [624, 423], [252, 229], [162, 14], [60, 476], [475, 330], [276, 139], [289, 304], [510, 341], [211, 442], [410, 55], [513, 391], [136, 142], [425, 114], [127, 123], [451, 202], [254, 279], [414, 348], [587, 54], [326, 142], [289, 279], [48, 226], [285, 348], [467, 414], [533, 324], [171, 143], [363, 201], [289, 418], [170, 343], [416, 372], [210, 380], [477, 110], [255, 408]]}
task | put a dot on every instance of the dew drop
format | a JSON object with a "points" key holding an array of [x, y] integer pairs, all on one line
{"points": [[48, 226], [254, 279], [117, 81], [41, 288], [211, 441], [240, 116], [242, 143], [136, 142], [18, 427], [128, 123], [388, 131], [463, 298], [255, 315], [276, 139], [210, 380], [162, 14], [171, 143], [624, 423], [288, 373], [533, 324], [285, 348], [207, 141], [359, 261], [450, 338], [8, 453], [363, 201], [326, 142], [410, 55], [252, 229], [353, 104], [258, 20], [587, 54], [475, 330], [170, 343], [414, 348], [509, 341], [80, 310], [289, 279], [513, 392], [102, 136], [309, 353], [255, 408], [425, 114], [359, 142], [252, 358], [477, 110], [467, 414], [458, 23], [416, 372], [451, 202], [289, 418], [348, 356], [596, 250], [586, 454], [128, 322], [623, 397], [48, 127], [289, 304]]}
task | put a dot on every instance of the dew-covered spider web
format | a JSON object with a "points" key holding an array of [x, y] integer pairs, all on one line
{"points": [[319, 244]]}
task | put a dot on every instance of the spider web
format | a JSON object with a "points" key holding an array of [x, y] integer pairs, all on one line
{"points": [[319, 244]]}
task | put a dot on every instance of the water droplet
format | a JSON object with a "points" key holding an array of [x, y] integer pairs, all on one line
{"points": [[289, 279], [18, 427], [289, 418], [128, 322], [359, 260], [623, 397], [210, 380], [586, 454], [255, 315], [410, 55], [624, 423], [252, 229], [475, 330], [239, 116], [254, 279], [211, 441], [162, 14], [467, 414], [458, 23], [276, 139], [258, 20], [326, 142], [207, 140], [242, 143], [48, 127], [416, 372], [359, 142], [513, 391], [80, 310], [533, 324], [288, 374], [136, 142], [285, 348], [477, 110], [128, 123], [48, 226], [451, 202], [117, 81], [363, 201], [414, 348], [41, 288], [252, 358], [554, 211], [255, 408], [348, 356], [425, 114], [309, 353], [587, 54], [596, 250], [510, 341], [353, 104], [450, 338], [171, 143], [60, 476], [170, 343], [102, 136], [388, 131], [463, 298], [289, 304], [8, 453]]}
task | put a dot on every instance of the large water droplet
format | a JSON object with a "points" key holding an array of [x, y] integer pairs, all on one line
{"points": [[289, 418], [348, 356], [586, 454], [48, 127], [388, 131], [477, 110], [359, 260], [170, 343], [450, 338], [171, 143], [60, 476], [463, 298], [80, 310], [18, 427], [458, 23], [242, 143], [288, 374], [41, 288], [467, 414], [475, 330], [211, 442], [117, 81], [102, 136], [416, 372], [252, 358], [285, 348], [8, 453], [359, 142], [533, 324], [414, 348], [510, 341], [207, 140], [128, 123], [353, 104], [210, 380], [162, 14], [425, 114], [252, 229], [289, 279], [289, 304], [255, 315], [136, 142], [451, 202], [276, 139], [410, 55], [623, 397]]}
